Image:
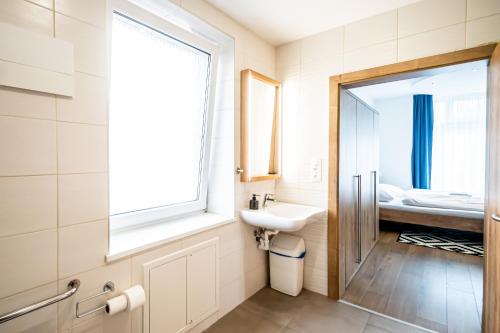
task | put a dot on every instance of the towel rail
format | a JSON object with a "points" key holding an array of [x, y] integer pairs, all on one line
{"points": [[73, 286]]}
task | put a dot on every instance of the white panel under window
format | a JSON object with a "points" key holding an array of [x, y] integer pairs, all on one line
{"points": [[159, 120]]}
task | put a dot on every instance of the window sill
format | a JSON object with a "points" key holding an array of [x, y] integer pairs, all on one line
{"points": [[125, 243]]}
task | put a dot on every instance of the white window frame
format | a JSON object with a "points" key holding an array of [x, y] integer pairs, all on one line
{"points": [[143, 16]]}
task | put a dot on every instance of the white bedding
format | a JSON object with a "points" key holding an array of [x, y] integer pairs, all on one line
{"points": [[441, 203], [397, 204], [433, 199]]}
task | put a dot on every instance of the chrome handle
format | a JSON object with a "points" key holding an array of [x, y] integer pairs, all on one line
{"points": [[375, 205], [358, 218], [239, 171], [495, 217], [359, 223], [73, 286]]}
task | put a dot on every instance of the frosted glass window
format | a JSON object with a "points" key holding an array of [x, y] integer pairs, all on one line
{"points": [[158, 122]]}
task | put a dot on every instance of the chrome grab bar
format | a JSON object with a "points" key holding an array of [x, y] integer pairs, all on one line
{"points": [[495, 217], [73, 286]]}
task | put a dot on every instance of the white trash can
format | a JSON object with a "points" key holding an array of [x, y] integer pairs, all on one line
{"points": [[286, 262]]}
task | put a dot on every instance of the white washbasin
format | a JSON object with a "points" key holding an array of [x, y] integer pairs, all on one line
{"points": [[281, 216]]}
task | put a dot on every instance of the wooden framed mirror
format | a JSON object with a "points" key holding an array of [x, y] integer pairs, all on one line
{"points": [[260, 127]]}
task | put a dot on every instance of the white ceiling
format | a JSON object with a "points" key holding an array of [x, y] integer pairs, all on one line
{"points": [[454, 80], [282, 21]]}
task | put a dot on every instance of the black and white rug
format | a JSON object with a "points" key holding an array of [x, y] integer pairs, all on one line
{"points": [[453, 241]]}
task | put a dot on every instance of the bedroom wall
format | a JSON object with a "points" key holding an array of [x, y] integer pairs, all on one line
{"points": [[396, 130], [54, 223], [425, 28]]}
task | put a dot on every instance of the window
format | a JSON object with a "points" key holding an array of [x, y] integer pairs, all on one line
{"points": [[459, 143], [161, 93]]}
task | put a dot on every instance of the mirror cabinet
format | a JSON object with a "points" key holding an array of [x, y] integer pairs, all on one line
{"points": [[260, 127]]}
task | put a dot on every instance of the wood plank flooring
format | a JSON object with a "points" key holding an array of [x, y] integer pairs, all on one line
{"points": [[432, 288], [269, 311]]}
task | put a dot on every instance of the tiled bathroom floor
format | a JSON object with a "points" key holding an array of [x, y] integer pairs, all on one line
{"points": [[269, 311]]}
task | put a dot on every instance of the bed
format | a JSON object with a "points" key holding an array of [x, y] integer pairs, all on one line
{"points": [[430, 208]]}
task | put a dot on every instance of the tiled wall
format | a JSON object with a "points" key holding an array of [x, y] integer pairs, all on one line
{"points": [[425, 28], [53, 179]]}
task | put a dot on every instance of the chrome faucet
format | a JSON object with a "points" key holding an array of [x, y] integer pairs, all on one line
{"points": [[268, 197]]}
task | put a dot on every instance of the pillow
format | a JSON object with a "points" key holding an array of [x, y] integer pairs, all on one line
{"points": [[389, 192]]}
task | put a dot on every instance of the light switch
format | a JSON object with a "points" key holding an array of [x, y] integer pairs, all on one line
{"points": [[315, 170]]}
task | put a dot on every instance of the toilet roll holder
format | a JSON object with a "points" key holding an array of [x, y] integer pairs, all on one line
{"points": [[109, 287]]}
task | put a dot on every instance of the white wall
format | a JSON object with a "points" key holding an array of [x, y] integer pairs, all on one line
{"points": [[396, 129], [425, 28], [53, 169]]}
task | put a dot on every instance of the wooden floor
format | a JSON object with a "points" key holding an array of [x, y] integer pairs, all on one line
{"points": [[269, 311], [432, 288]]}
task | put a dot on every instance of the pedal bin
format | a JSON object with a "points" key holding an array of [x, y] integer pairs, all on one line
{"points": [[286, 262]]}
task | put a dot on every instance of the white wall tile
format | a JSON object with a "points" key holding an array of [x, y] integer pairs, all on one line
{"points": [[372, 56], [81, 148], [199, 237], [89, 105], [316, 256], [235, 237], [373, 30], [29, 104], [82, 247], [481, 8], [28, 204], [27, 146], [82, 198], [27, 15], [316, 280], [44, 3], [90, 11], [484, 30], [429, 15], [28, 261], [433, 42], [89, 43], [91, 283], [231, 295], [254, 258], [103, 324], [231, 267], [40, 321], [322, 67], [255, 280], [322, 45]]}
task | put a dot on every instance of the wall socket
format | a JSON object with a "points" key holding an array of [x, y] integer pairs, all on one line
{"points": [[315, 170]]}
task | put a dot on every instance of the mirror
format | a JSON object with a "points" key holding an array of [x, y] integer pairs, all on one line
{"points": [[260, 124]]}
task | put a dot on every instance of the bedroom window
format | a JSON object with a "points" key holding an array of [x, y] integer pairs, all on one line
{"points": [[459, 142], [161, 105]]}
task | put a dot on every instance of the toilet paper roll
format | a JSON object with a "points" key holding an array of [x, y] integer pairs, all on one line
{"points": [[135, 297], [116, 304]]}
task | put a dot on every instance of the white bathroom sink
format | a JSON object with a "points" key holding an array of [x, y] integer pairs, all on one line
{"points": [[281, 216]]}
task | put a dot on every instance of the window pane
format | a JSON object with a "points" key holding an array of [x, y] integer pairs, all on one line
{"points": [[459, 143], [158, 110]]}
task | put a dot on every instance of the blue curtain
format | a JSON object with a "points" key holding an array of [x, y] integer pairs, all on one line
{"points": [[421, 155]]}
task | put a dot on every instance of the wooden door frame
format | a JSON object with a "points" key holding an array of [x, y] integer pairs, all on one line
{"points": [[336, 251]]}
